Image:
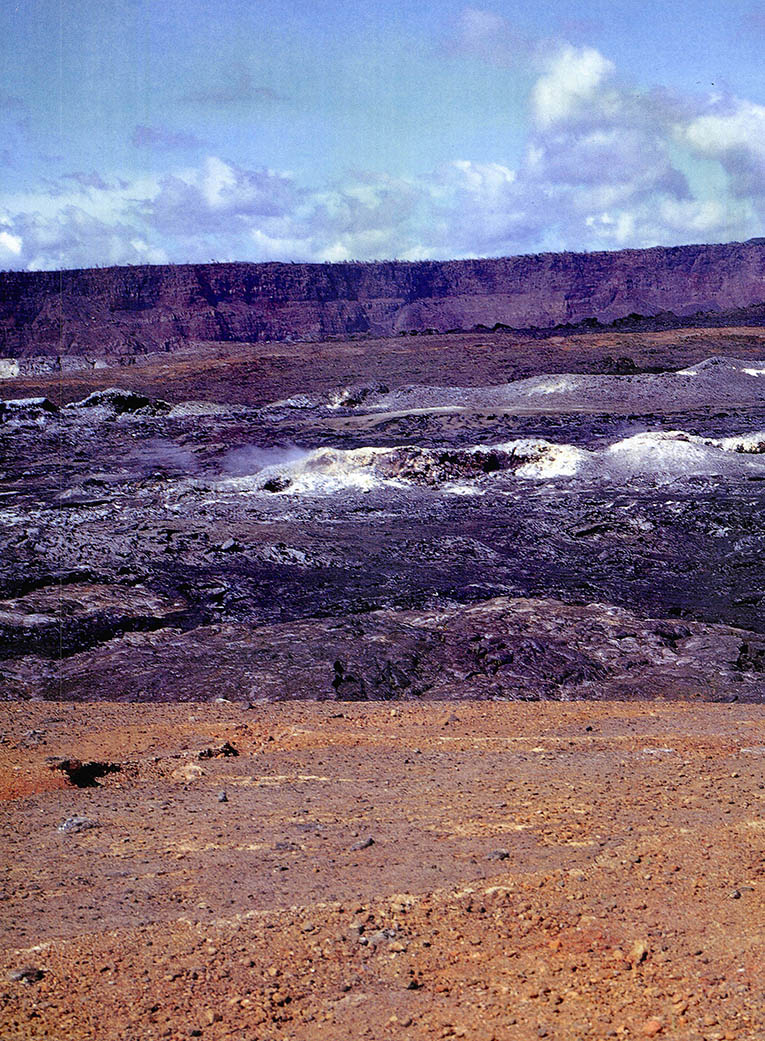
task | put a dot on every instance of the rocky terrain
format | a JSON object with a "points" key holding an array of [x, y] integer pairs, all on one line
{"points": [[405, 686], [592, 534], [308, 871], [128, 311]]}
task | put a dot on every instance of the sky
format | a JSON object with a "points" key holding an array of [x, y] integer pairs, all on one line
{"points": [[154, 131]]}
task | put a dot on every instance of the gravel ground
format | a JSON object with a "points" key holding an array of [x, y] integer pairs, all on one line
{"points": [[571, 871]]}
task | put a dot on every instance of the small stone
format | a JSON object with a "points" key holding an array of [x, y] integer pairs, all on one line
{"points": [[308, 927], [380, 936], [735, 895], [364, 844], [26, 974], [225, 750], [638, 953], [651, 1027], [74, 825], [188, 773], [498, 854], [222, 797]]}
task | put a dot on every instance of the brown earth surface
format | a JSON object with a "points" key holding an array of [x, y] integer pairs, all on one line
{"points": [[569, 871], [258, 373]]}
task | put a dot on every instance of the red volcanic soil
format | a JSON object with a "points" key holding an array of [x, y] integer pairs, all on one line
{"points": [[567, 871], [258, 373]]}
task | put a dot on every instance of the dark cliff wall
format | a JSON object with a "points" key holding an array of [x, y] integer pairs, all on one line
{"points": [[135, 309]]}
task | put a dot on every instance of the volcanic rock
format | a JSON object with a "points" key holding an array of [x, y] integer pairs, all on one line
{"points": [[137, 309]]}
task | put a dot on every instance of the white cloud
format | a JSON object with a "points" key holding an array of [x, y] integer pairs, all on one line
{"points": [[605, 166], [735, 137], [705, 218], [570, 82], [10, 244], [483, 178], [219, 184], [743, 127], [273, 247]]}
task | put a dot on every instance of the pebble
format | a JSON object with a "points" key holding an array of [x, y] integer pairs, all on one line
{"points": [[498, 854], [651, 1027], [26, 974], [188, 773], [222, 797], [379, 936], [73, 825], [364, 844]]}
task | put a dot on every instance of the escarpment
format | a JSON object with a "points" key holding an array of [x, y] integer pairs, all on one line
{"points": [[126, 310]]}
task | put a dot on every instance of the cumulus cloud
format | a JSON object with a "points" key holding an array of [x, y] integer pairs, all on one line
{"points": [[604, 166], [735, 136], [220, 198], [74, 237], [571, 83], [10, 244]]}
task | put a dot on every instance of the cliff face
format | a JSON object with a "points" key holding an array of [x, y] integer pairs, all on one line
{"points": [[138, 309]]}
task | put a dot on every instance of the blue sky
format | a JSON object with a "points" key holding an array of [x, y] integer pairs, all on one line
{"points": [[161, 130]]}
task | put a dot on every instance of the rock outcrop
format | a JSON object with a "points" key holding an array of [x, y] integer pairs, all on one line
{"points": [[139, 309]]}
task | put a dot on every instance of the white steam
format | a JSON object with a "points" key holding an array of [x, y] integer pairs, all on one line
{"points": [[251, 459]]}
